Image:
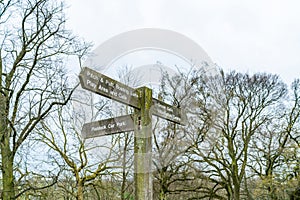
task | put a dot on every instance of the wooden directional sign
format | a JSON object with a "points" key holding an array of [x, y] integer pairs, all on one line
{"points": [[110, 88], [108, 126], [168, 112]]}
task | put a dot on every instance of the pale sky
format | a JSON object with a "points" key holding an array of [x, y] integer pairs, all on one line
{"points": [[243, 35]]}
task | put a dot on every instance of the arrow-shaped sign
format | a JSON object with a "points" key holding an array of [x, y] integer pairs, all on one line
{"points": [[95, 82], [168, 112], [108, 126]]}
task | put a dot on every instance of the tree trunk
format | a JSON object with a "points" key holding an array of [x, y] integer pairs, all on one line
{"points": [[80, 191], [7, 170], [236, 192], [236, 185], [7, 156], [163, 185], [162, 195]]}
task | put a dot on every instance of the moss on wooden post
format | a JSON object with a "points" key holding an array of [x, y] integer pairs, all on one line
{"points": [[143, 146]]}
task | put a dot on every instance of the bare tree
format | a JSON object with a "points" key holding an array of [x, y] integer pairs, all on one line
{"points": [[74, 153], [273, 157], [173, 172], [247, 102], [34, 46]]}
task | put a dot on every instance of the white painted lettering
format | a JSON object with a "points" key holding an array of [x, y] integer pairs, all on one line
{"points": [[122, 96], [110, 125], [103, 89], [91, 84], [91, 75], [98, 128], [109, 83], [120, 124], [113, 93]]}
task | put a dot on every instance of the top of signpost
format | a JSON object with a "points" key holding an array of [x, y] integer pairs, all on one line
{"points": [[100, 84]]}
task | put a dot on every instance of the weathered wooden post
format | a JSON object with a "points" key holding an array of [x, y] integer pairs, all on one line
{"points": [[143, 146]]}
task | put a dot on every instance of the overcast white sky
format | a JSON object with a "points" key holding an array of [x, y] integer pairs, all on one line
{"points": [[243, 35]]}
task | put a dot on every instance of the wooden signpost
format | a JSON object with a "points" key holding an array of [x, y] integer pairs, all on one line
{"points": [[141, 122]]}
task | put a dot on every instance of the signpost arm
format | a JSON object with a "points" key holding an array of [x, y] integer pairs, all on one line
{"points": [[143, 146]]}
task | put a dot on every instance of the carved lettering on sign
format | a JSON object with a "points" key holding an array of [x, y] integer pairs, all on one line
{"points": [[108, 126]]}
